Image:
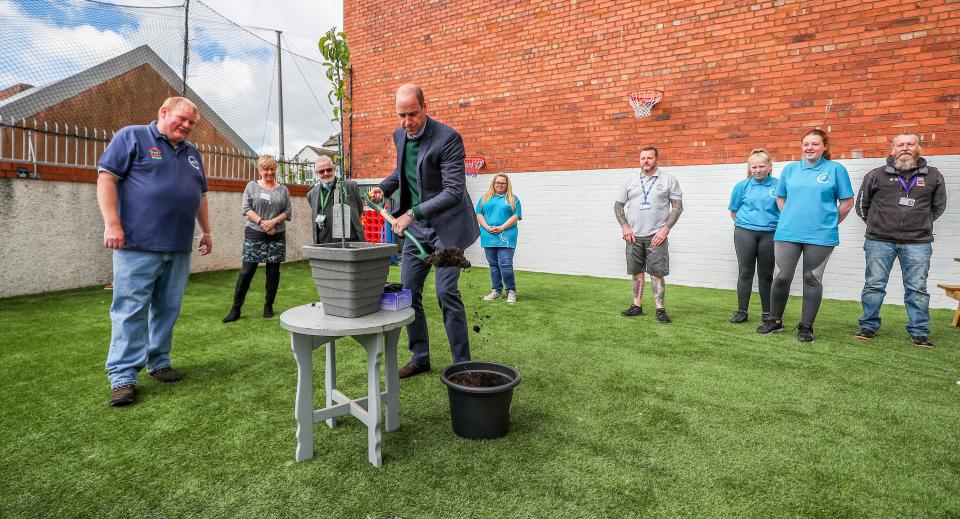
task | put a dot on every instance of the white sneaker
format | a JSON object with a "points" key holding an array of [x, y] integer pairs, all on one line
{"points": [[511, 297], [493, 295]]}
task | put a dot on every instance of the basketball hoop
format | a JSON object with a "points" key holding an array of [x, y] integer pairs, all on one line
{"points": [[642, 101], [473, 165]]}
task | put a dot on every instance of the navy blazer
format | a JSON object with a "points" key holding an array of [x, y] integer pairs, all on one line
{"points": [[444, 201]]}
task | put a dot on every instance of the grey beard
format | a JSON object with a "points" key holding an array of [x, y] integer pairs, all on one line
{"points": [[904, 163]]}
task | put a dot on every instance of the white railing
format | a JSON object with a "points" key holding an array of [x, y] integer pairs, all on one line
{"points": [[43, 143]]}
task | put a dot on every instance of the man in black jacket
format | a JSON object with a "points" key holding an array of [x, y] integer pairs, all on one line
{"points": [[325, 195], [899, 202]]}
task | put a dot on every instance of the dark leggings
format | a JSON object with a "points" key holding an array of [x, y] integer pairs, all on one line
{"points": [[814, 262], [754, 254], [246, 276]]}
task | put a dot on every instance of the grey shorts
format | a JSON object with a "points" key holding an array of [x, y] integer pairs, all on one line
{"points": [[643, 257]]}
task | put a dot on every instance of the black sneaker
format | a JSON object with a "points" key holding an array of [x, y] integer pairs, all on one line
{"points": [[805, 332], [770, 326], [922, 341], [740, 316], [764, 317], [865, 333], [662, 316], [633, 311]]}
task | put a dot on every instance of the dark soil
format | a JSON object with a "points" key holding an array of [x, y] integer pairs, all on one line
{"points": [[479, 379], [448, 257]]}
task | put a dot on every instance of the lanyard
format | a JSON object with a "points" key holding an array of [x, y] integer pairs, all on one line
{"points": [[644, 189], [324, 196], [904, 183]]}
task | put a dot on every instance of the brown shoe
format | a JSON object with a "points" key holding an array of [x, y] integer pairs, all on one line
{"points": [[123, 395], [167, 374], [412, 369]]}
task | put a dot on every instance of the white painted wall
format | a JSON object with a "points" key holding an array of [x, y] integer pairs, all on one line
{"points": [[569, 228], [53, 235]]}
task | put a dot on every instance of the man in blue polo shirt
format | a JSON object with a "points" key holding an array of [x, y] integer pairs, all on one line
{"points": [[150, 188]]}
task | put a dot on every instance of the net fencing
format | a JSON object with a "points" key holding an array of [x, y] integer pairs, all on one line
{"points": [[90, 68]]}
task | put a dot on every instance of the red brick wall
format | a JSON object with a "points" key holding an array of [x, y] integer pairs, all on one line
{"points": [[540, 85]]}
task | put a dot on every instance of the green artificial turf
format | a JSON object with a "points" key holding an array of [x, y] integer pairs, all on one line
{"points": [[615, 417]]}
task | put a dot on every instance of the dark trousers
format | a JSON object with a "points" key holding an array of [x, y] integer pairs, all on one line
{"points": [[247, 270], [787, 255], [754, 255], [413, 273]]}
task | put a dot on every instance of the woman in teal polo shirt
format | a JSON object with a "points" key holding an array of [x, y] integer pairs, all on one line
{"points": [[814, 196], [497, 213], [753, 207]]}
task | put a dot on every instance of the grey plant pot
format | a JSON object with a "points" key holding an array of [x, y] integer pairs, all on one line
{"points": [[350, 280]]}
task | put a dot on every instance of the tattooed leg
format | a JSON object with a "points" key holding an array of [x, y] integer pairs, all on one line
{"points": [[638, 289], [658, 290]]}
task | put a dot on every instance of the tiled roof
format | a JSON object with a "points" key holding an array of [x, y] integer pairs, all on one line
{"points": [[38, 99]]}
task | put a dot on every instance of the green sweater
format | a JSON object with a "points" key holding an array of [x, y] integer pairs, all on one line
{"points": [[410, 154]]}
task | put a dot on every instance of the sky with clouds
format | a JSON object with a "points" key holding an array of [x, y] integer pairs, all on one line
{"points": [[232, 62]]}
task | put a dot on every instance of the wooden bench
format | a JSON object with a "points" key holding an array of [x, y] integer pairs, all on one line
{"points": [[954, 292]]}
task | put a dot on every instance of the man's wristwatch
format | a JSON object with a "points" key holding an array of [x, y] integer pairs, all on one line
{"points": [[410, 214]]}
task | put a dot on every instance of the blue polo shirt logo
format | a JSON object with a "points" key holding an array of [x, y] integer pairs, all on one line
{"points": [[193, 162], [155, 153], [823, 178], [773, 192]]}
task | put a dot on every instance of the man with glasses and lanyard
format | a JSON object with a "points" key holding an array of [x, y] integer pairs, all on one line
{"points": [[647, 207], [324, 195]]}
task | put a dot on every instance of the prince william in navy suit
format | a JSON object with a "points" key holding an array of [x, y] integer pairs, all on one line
{"points": [[436, 208]]}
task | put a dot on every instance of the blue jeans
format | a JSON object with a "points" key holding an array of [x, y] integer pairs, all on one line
{"points": [[500, 260], [413, 274], [914, 265], [147, 290]]}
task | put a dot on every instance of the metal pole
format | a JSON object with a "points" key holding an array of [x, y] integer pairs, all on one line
{"points": [[280, 93], [349, 172], [186, 44]]}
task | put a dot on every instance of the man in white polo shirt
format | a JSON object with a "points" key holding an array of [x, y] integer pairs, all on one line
{"points": [[647, 207]]}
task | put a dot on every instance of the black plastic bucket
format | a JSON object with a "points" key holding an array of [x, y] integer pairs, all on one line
{"points": [[480, 413]]}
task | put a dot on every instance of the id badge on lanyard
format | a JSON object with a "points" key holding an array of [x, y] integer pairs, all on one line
{"points": [[646, 191], [906, 200]]}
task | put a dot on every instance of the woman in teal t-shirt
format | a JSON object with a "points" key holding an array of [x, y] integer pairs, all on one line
{"points": [[497, 213], [814, 196], [753, 207]]}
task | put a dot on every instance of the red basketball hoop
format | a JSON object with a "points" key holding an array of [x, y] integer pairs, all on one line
{"points": [[642, 101], [473, 165]]}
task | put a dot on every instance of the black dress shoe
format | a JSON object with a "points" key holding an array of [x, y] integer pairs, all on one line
{"points": [[412, 369], [267, 311], [232, 316]]}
